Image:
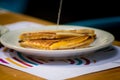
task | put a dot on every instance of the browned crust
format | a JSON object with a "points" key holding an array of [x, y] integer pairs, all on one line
{"points": [[55, 34], [44, 39]]}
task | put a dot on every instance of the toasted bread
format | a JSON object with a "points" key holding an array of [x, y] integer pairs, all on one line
{"points": [[55, 34], [58, 39]]}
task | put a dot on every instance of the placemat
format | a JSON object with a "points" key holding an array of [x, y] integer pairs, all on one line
{"points": [[52, 69]]}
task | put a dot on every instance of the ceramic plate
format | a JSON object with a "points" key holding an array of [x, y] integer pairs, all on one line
{"points": [[10, 40], [3, 30]]}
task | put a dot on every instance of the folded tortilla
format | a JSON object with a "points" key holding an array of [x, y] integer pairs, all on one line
{"points": [[57, 40]]}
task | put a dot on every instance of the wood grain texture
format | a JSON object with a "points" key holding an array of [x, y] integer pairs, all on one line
{"points": [[9, 17]]}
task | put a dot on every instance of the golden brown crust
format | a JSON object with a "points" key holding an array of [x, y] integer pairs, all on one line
{"points": [[55, 34], [58, 39]]}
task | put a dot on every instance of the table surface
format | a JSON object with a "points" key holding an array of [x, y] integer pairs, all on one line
{"points": [[7, 73]]}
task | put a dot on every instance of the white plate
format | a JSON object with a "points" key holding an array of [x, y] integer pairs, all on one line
{"points": [[10, 40], [3, 30]]}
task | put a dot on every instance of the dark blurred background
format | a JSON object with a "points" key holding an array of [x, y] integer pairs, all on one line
{"points": [[72, 10]]}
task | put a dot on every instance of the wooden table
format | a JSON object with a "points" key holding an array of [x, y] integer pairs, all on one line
{"points": [[7, 73]]}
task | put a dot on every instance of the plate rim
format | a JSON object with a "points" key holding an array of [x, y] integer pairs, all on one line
{"points": [[15, 47]]}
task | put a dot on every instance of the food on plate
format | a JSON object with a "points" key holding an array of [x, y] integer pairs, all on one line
{"points": [[57, 39]]}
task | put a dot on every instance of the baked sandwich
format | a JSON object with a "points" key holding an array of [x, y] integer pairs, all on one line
{"points": [[57, 39]]}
